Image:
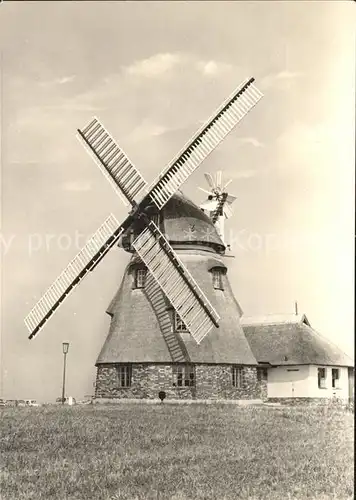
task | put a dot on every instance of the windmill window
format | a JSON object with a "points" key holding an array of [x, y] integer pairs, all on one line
{"points": [[140, 278], [179, 325], [124, 375], [217, 279], [261, 374], [237, 377], [183, 376], [335, 378], [322, 378]]}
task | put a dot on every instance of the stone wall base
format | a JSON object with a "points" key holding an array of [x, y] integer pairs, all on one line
{"points": [[238, 402], [212, 382]]}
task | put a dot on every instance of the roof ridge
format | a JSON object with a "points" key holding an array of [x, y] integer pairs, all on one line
{"points": [[274, 318]]}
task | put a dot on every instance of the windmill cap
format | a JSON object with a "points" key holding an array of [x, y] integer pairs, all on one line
{"points": [[185, 222]]}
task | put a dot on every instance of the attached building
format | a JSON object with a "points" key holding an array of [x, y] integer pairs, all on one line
{"points": [[299, 362]]}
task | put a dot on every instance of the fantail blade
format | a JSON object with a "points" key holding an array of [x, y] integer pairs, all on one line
{"points": [[209, 179]]}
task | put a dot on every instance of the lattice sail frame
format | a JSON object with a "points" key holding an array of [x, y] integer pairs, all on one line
{"points": [[85, 260], [113, 162], [174, 279], [208, 137]]}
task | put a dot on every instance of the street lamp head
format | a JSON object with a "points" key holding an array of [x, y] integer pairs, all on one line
{"points": [[65, 347]]}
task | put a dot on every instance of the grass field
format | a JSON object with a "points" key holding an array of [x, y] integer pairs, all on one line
{"points": [[175, 452]]}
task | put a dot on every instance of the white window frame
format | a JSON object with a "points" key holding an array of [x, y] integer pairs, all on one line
{"points": [[179, 325], [124, 376], [217, 279], [322, 380], [335, 381], [236, 375], [183, 376], [140, 277]]}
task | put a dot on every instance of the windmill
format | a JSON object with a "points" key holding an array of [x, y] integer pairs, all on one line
{"points": [[152, 247], [218, 204]]}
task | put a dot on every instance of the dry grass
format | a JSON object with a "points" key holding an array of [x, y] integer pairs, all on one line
{"points": [[176, 452]]}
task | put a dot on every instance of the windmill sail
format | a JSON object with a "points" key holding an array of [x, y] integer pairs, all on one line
{"points": [[88, 257], [204, 142], [178, 285], [230, 198], [218, 179], [227, 210], [112, 161], [185, 295], [209, 180]]}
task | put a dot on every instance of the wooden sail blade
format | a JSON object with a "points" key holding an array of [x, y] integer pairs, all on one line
{"points": [[205, 191], [176, 282], [112, 161], [228, 211], [230, 198], [227, 184], [88, 257], [219, 179], [204, 142], [209, 180]]}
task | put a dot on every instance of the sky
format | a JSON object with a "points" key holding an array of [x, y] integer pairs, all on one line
{"points": [[153, 72]]}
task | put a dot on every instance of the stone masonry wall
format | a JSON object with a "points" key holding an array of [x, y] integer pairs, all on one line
{"points": [[215, 382], [263, 390], [212, 382]]}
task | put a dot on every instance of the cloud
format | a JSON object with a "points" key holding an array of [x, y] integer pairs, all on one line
{"points": [[58, 81], [287, 75], [156, 100], [282, 79], [146, 130], [244, 174], [300, 135], [162, 64], [77, 186], [252, 141], [153, 67], [73, 105], [311, 144], [65, 79], [213, 68]]}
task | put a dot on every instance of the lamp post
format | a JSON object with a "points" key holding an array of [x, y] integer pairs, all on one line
{"points": [[65, 346]]}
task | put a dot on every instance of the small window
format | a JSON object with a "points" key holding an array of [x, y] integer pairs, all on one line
{"points": [[217, 279], [261, 374], [124, 374], [140, 278], [183, 376], [237, 376], [335, 377], [322, 378], [179, 325]]}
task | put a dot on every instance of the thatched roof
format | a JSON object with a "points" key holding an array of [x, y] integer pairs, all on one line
{"points": [[290, 340], [141, 326]]}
